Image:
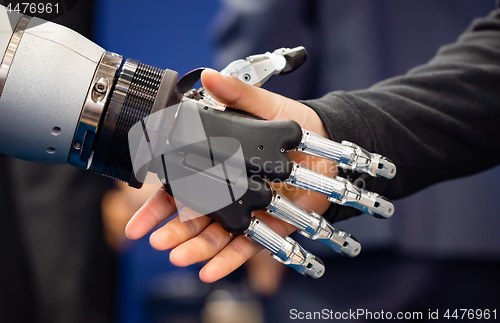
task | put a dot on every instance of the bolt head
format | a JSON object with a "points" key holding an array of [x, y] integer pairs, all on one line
{"points": [[101, 88]]}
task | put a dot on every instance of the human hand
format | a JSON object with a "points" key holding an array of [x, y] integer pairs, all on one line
{"points": [[199, 239]]}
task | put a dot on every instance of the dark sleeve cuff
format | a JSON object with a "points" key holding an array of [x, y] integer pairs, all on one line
{"points": [[342, 119]]}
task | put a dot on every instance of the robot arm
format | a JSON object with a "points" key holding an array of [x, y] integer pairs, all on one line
{"points": [[59, 65], [90, 108]]}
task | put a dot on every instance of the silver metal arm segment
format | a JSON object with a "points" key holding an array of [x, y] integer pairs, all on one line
{"points": [[349, 155], [341, 191], [285, 250], [313, 226]]}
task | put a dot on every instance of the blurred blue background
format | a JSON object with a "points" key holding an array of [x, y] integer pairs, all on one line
{"points": [[442, 246], [167, 34]]}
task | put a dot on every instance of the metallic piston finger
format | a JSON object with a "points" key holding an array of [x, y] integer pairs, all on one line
{"points": [[348, 155], [258, 69], [313, 226], [341, 191], [285, 250], [254, 70]]}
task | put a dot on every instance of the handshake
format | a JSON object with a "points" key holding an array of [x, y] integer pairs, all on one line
{"points": [[254, 172]]}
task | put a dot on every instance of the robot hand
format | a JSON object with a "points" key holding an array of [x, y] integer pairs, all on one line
{"points": [[63, 99], [198, 167]]}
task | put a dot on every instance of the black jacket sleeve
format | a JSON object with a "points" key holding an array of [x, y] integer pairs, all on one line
{"points": [[440, 121]]}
